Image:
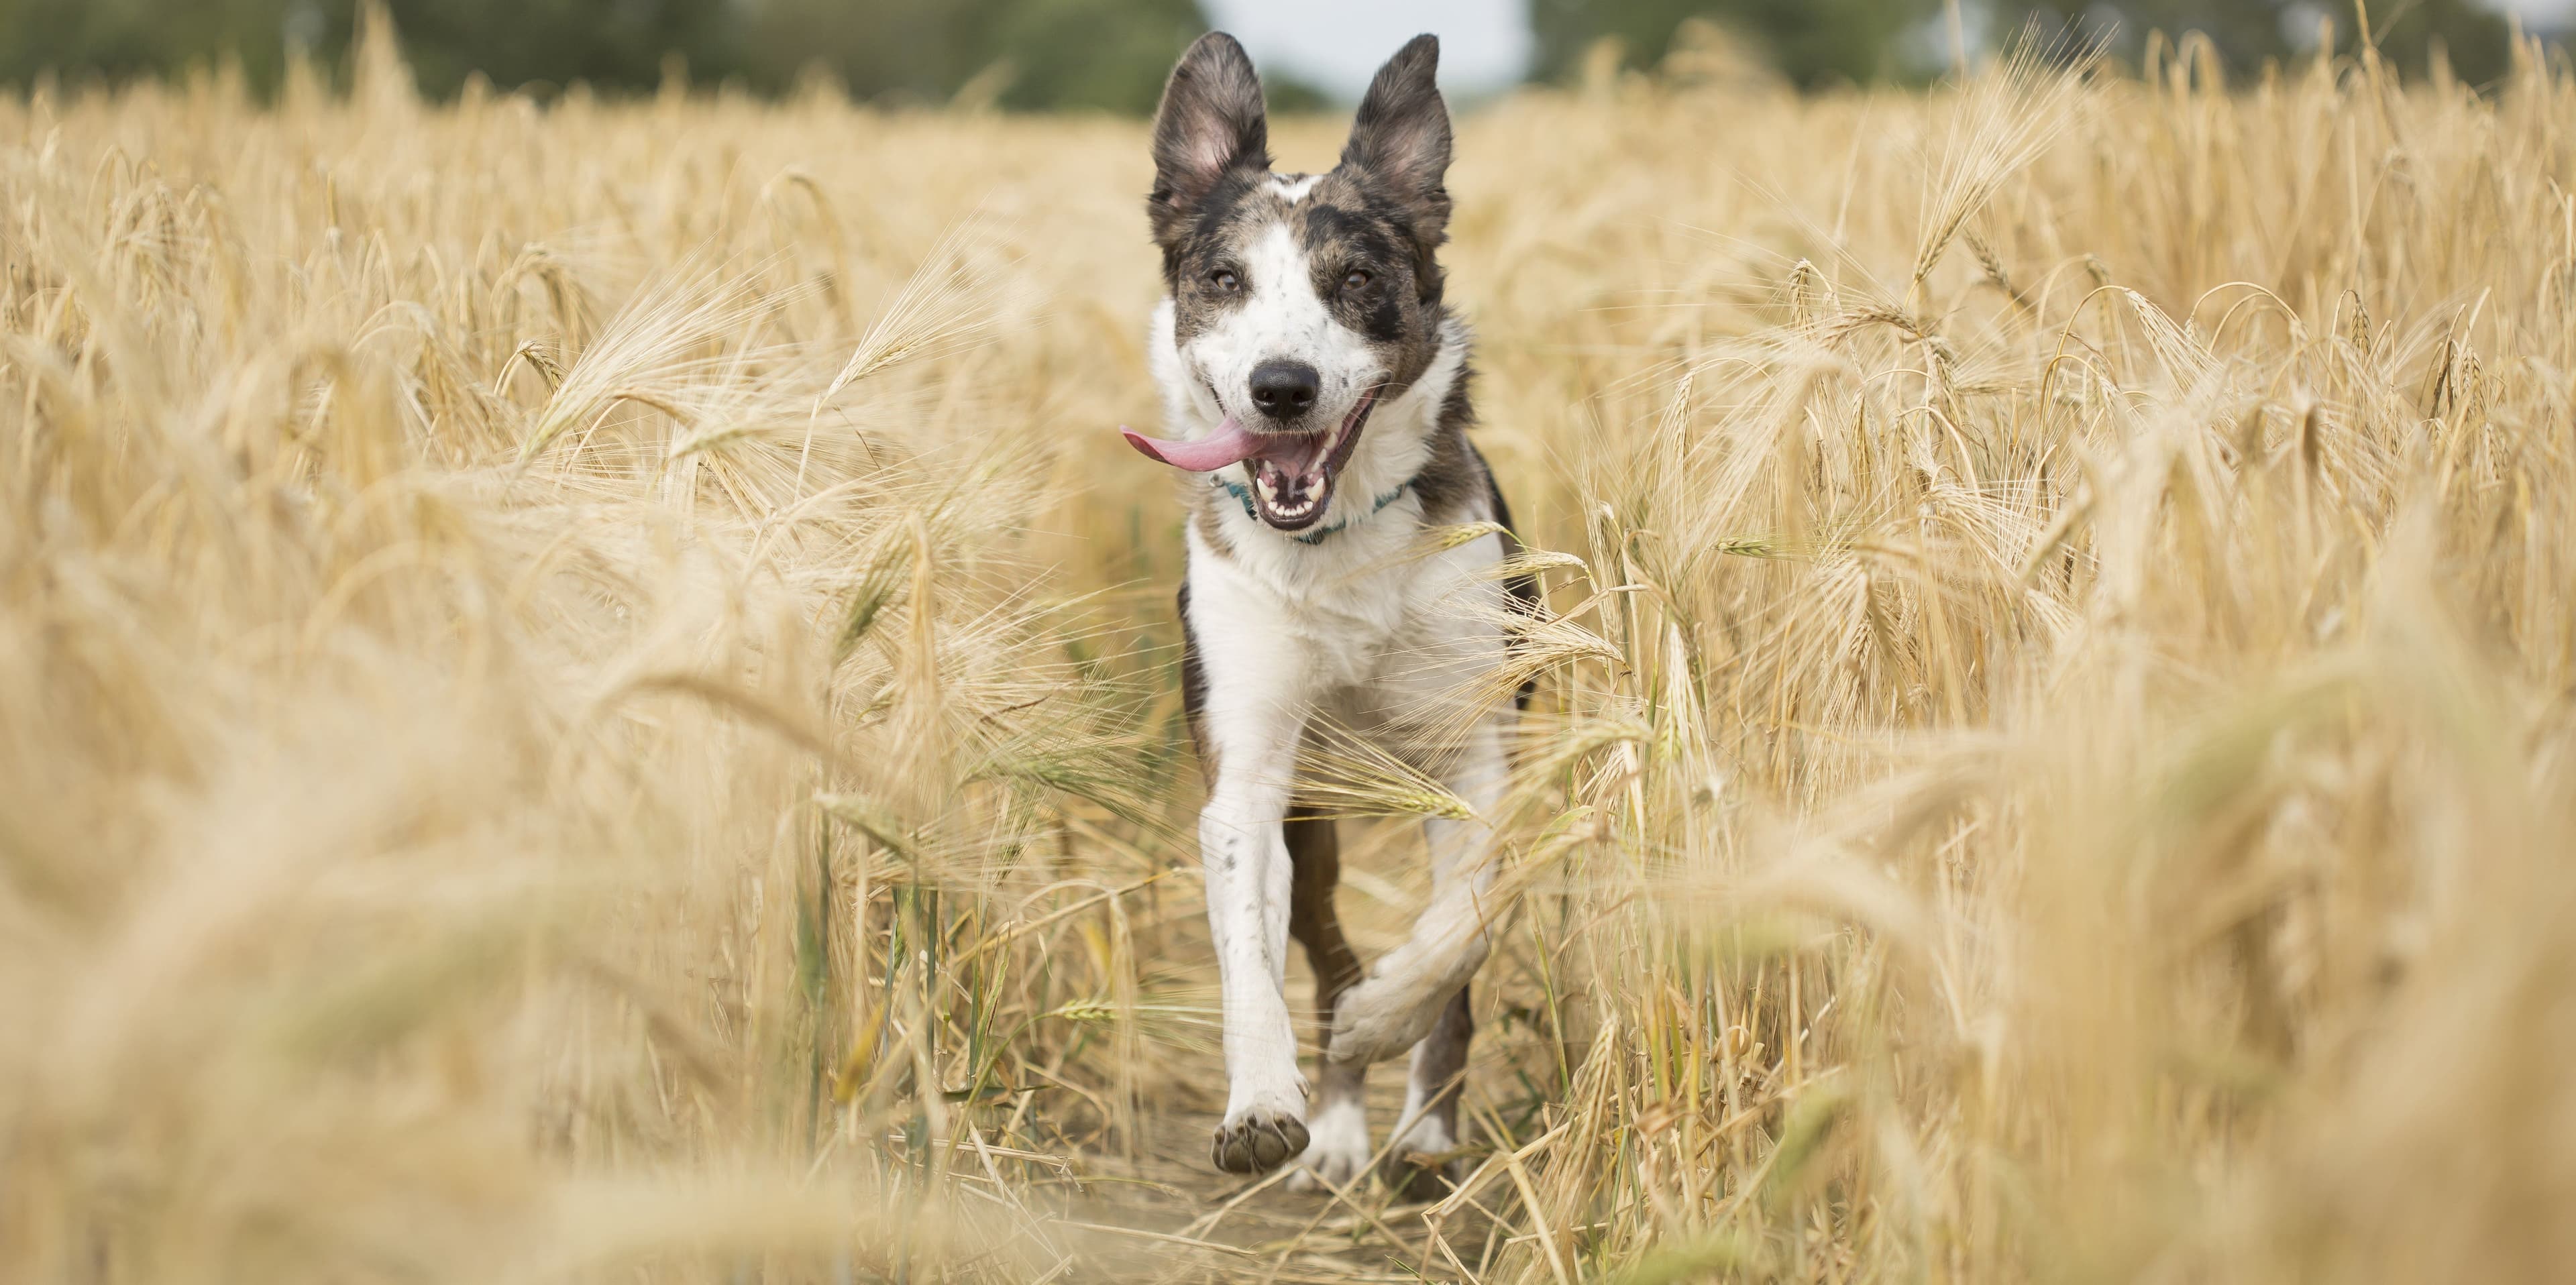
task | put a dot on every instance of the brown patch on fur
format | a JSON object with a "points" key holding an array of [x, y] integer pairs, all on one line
{"points": [[1217, 238], [1315, 858], [1203, 519], [1443, 1065], [1454, 482], [1349, 224], [1194, 689]]}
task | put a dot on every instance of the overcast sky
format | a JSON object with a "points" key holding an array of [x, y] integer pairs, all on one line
{"points": [[1484, 44], [1337, 44]]}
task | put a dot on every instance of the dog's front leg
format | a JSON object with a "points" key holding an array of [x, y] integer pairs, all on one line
{"points": [[1244, 854], [1253, 713]]}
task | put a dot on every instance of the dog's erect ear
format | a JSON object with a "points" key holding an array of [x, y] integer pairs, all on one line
{"points": [[1210, 122], [1402, 137]]}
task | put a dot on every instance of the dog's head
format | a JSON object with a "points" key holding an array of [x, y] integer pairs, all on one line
{"points": [[1299, 302]]}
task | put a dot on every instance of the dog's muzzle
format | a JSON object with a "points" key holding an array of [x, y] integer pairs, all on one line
{"points": [[1292, 473]]}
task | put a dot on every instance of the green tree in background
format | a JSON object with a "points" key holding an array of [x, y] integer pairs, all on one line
{"points": [[1105, 54], [1812, 42], [2477, 40], [123, 39], [1033, 54], [605, 43]]}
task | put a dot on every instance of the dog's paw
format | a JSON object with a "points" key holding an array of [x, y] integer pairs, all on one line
{"points": [[1423, 1165], [1338, 1151], [1376, 1020], [1420, 1177], [1257, 1139]]}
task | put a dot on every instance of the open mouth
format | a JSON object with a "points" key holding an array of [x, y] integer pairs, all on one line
{"points": [[1292, 483], [1292, 473]]}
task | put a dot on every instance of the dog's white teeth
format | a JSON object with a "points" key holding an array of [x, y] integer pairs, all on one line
{"points": [[1268, 490]]}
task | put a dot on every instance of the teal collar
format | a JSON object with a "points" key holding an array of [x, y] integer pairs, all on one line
{"points": [[1244, 497]]}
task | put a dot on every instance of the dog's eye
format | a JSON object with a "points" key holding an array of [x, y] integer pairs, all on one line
{"points": [[1225, 280], [1356, 281]]}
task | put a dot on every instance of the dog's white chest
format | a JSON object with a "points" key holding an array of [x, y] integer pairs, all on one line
{"points": [[1371, 635], [1355, 631]]}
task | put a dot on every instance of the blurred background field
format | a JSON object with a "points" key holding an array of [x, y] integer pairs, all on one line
{"points": [[587, 694], [1112, 55]]}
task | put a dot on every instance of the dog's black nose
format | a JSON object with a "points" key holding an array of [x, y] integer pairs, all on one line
{"points": [[1284, 389]]}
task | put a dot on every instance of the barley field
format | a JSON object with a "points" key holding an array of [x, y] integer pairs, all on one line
{"points": [[591, 696]]}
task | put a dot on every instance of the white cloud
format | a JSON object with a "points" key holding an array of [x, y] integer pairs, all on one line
{"points": [[1338, 44], [2554, 13]]}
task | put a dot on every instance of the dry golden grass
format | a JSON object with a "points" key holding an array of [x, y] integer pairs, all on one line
{"points": [[590, 696]]}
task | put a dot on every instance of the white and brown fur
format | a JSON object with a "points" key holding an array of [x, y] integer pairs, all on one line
{"points": [[1329, 617]]}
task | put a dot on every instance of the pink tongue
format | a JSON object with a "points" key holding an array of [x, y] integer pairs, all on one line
{"points": [[1229, 444]]}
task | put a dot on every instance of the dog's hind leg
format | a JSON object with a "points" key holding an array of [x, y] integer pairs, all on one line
{"points": [[1428, 1130], [1337, 1147], [1405, 992]]}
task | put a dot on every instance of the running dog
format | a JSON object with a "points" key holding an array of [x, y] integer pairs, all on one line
{"points": [[1317, 386]]}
